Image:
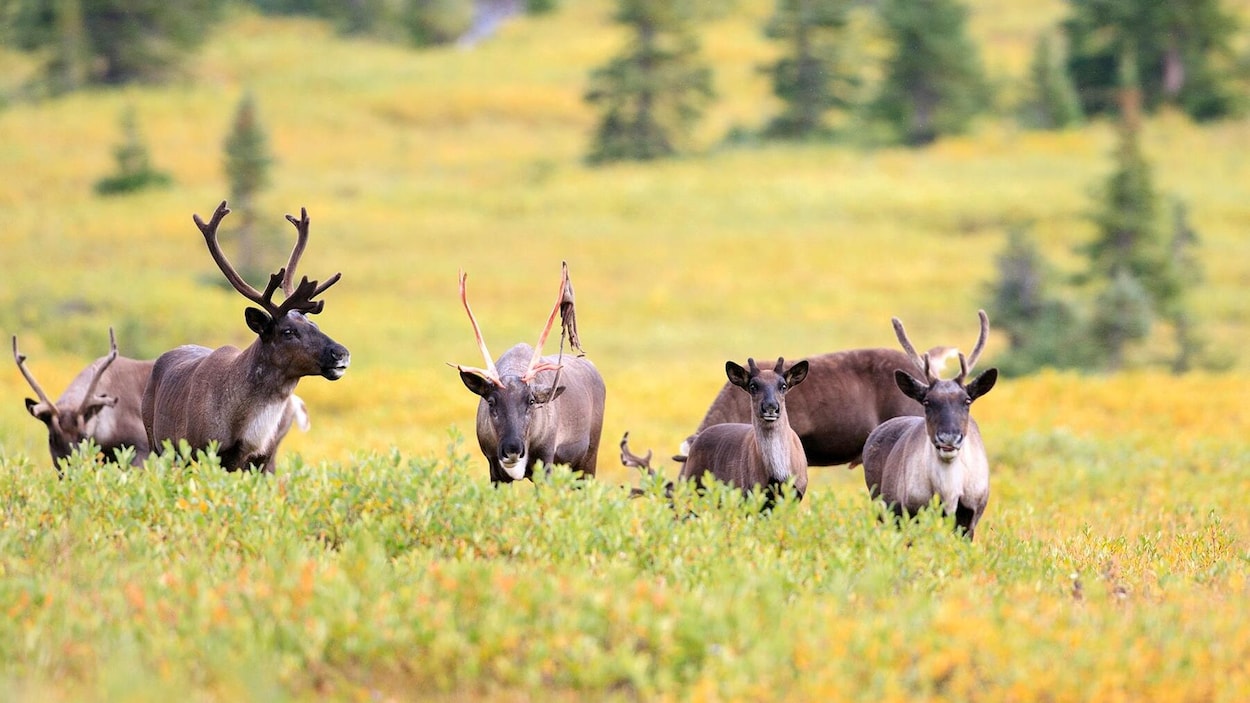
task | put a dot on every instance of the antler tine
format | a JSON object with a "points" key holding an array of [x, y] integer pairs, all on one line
{"points": [[751, 367], [964, 366], [927, 367], [301, 240], [632, 460], [907, 346], [214, 248], [21, 366], [535, 366], [781, 363], [89, 397], [980, 345], [490, 373]]}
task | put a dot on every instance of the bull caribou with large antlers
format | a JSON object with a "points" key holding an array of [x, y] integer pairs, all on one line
{"points": [[908, 460], [101, 403], [536, 408], [243, 399]]}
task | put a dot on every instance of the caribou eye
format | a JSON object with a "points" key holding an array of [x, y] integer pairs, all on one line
{"points": [[533, 400], [781, 386], [288, 332]]}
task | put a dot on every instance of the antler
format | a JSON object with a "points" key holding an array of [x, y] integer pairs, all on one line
{"points": [[299, 299], [21, 366], [490, 373], [564, 301], [965, 365], [89, 398], [632, 460], [921, 362], [301, 240]]}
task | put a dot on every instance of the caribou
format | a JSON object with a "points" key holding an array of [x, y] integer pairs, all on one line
{"points": [[909, 460], [243, 400], [847, 394], [536, 408], [764, 454], [101, 404]]}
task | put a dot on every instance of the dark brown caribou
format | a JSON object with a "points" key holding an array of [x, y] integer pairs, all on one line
{"points": [[101, 403], [909, 460], [764, 454], [243, 399], [846, 395], [536, 408]]}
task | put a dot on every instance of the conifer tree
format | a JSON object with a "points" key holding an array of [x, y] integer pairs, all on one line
{"points": [[1053, 103], [247, 162], [809, 77], [1182, 50], [111, 41], [651, 94], [934, 83], [134, 165]]}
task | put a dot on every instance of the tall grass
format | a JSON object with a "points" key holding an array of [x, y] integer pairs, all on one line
{"points": [[377, 563]]}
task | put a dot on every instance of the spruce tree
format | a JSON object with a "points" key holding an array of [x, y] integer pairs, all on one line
{"points": [[651, 94], [134, 165], [1053, 103], [934, 83], [247, 162], [111, 41], [1181, 49], [809, 77]]}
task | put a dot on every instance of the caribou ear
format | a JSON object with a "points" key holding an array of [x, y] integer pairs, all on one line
{"points": [[546, 395], [100, 402], [257, 319], [39, 411], [737, 375], [476, 383], [982, 384], [796, 374], [910, 385]]}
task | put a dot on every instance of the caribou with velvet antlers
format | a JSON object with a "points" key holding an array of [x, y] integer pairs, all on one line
{"points": [[243, 400], [764, 454], [536, 408], [101, 403], [846, 395], [909, 460]]}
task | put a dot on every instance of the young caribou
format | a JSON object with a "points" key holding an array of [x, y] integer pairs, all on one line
{"points": [[847, 394], [908, 460], [766, 453], [244, 399], [536, 408], [101, 403]]}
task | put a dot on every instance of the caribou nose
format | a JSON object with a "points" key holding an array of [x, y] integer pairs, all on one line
{"points": [[949, 440], [334, 361]]}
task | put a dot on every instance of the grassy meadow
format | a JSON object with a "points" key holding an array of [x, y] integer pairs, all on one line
{"points": [[379, 565]]}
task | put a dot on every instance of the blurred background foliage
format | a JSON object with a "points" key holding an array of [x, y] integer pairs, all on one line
{"points": [[791, 215]]}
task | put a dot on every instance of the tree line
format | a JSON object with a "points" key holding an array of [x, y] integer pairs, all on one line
{"points": [[1115, 59]]}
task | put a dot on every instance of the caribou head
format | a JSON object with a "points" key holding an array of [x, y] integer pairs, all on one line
{"points": [[947, 403], [290, 342]]}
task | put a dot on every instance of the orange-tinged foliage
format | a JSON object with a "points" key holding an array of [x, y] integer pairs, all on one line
{"points": [[1111, 565]]}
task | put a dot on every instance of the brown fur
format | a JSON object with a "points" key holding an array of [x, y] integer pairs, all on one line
{"points": [[740, 454], [845, 396], [112, 420]]}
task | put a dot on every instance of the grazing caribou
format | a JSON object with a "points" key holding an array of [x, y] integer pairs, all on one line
{"points": [[908, 460], [101, 403], [847, 394], [244, 400], [536, 408], [766, 453]]}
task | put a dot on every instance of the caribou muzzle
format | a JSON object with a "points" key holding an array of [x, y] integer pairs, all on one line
{"points": [[334, 361], [948, 444]]}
